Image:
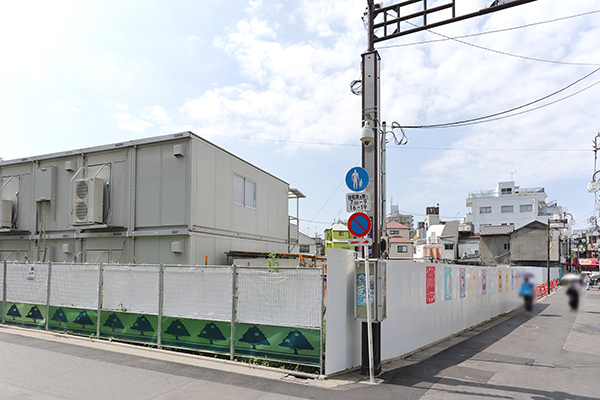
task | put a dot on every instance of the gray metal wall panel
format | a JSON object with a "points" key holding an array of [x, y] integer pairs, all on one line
{"points": [[148, 186], [162, 181], [106, 250], [26, 219], [151, 249], [175, 186]]}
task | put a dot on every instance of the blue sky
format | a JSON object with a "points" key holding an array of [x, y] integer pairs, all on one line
{"points": [[269, 82]]}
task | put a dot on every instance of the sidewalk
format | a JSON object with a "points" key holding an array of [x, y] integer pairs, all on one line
{"points": [[553, 354]]}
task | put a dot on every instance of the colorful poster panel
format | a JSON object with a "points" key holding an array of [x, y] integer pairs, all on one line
{"points": [[430, 285], [447, 283], [27, 315], [129, 326], [499, 281], [462, 283], [213, 336], [491, 282], [361, 291], [506, 280], [278, 343], [512, 280], [77, 321], [473, 282], [483, 281]]}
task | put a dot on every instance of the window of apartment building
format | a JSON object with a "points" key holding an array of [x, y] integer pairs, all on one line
{"points": [[485, 210], [394, 232], [504, 191], [402, 249], [341, 234], [304, 248], [507, 246], [506, 209], [525, 208], [448, 246], [244, 191]]}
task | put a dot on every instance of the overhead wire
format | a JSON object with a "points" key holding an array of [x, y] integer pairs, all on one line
{"points": [[499, 116], [326, 201], [505, 53], [410, 148]]}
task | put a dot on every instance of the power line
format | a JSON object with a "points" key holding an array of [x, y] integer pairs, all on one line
{"points": [[490, 32], [504, 52], [408, 147], [489, 117], [327, 201], [525, 111]]}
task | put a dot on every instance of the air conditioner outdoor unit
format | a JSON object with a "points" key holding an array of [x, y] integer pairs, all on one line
{"points": [[88, 194], [5, 214]]}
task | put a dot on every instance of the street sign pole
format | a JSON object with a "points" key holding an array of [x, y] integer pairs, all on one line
{"points": [[369, 325]]}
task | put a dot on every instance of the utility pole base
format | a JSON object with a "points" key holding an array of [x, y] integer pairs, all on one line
{"points": [[364, 368]]}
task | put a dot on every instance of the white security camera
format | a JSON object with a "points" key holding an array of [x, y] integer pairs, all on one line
{"points": [[366, 133]]}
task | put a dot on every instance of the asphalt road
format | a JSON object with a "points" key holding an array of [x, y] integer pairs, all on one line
{"points": [[553, 354]]}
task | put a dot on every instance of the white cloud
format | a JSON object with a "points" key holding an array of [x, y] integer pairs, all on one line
{"points": [[159, 115], [68, 106], [121, 106], [129, 122]]}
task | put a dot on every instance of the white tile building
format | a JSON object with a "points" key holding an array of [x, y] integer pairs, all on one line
{"points": [[509, 205]]}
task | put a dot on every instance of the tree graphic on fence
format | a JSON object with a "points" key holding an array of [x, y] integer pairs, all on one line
{"points": [[142, 325], [176, 328], [13, 311], [34, 313], [254, 336], [295, 340], [211, 332], [59, 316], [83, 319], [113, 322]]}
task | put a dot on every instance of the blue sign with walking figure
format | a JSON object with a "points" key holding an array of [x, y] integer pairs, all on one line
{"points": [[357, 179]]}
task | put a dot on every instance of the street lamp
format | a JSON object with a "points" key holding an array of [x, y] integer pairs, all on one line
{"points": [[594, 185]]}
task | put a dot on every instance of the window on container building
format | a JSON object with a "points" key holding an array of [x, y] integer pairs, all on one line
{"points": [[244, 191]]}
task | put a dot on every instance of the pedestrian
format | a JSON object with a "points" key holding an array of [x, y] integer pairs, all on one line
{"points": [[573, 293], [526, 291]]}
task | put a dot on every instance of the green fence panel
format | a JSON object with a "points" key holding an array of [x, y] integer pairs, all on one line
{"points": [[294, 345], [212, 336], [129, 326], [26, 315], [73, 320]]}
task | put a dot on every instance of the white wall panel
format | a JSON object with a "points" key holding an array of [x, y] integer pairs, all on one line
{"points": [[411, 323], [342, 346]]}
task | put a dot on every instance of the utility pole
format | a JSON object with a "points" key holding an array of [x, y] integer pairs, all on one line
{"points": [[389, 27]]}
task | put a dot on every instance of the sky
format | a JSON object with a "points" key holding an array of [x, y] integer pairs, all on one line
{"points": [[269, 81]]}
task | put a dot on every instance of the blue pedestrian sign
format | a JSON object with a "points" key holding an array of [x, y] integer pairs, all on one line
{"points": [[357, 179]]}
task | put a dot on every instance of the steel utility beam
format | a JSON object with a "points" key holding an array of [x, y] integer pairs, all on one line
{"points": [[391, 26]]}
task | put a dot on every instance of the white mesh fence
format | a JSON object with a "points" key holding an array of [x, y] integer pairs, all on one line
{"points": [[27, 283], [198, 292], [285, 298], [131, 288], [74, 285]]}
